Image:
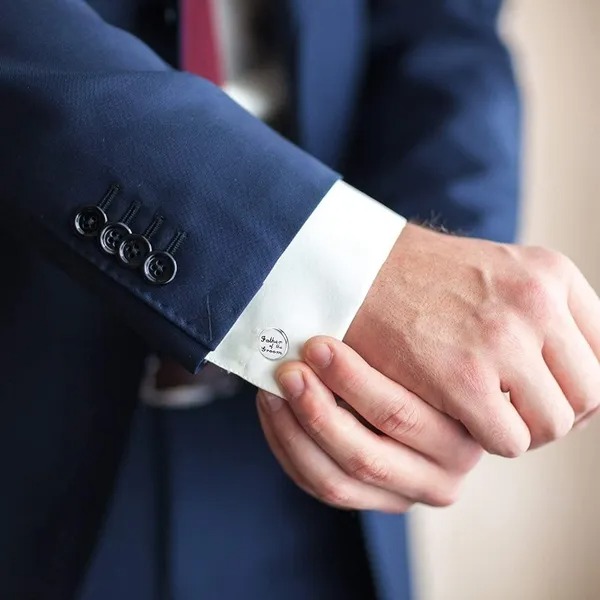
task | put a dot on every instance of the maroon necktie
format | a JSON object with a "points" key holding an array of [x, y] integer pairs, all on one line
{"points": [[200, 51]]}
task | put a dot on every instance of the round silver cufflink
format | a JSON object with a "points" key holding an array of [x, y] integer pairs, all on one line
{"points": [[273, 343]]}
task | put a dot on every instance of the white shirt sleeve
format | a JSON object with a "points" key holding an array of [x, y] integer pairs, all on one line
{"points": [[315, 288]]}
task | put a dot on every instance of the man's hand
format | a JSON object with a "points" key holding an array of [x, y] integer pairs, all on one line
{"points": [[504, 338], [417, 454]]}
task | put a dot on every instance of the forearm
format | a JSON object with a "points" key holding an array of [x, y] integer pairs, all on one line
{"points": [[86, 105]]}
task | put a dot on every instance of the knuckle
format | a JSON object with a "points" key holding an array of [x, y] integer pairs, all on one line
{"points": [[312, 416], [536, 297], [315, 424], [400, 421], [564, 423], [506, 444], [288, 438], [366, 468], [585, 404], [553, 429], [509, 449], [533, 292]]}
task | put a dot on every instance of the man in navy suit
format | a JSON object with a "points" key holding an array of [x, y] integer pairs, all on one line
{"points": [[144, 210]]}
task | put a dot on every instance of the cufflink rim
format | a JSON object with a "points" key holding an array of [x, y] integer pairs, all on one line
{"points": [[285, 341]]}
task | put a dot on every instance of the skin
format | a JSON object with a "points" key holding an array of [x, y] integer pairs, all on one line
{"points": [[383, 449], [503, 338], [461, 344]]}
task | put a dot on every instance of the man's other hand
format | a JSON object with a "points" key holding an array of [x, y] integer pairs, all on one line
{"points": [[383, 449]]}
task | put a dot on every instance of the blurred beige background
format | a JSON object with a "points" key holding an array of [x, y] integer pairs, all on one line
{"points": [[530, 529]]}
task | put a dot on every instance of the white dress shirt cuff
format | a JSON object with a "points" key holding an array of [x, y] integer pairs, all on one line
{"points": [[315, 288]]}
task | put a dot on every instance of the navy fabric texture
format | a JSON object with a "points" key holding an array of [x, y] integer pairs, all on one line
{"points": [[414, 102], [437, 130], [236, 526], [84, 97]]}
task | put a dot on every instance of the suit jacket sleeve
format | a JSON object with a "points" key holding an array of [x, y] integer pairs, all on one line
{"points": [[86, 106], [439, 123]]}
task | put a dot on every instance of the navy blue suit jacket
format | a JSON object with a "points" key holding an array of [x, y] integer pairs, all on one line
{"points": [[414, 102]]}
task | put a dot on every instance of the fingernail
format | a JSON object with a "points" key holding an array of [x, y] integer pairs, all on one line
{"points": [[292, 383], [271, 402], [319, 354]]}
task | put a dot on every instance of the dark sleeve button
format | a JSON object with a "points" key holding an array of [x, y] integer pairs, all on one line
{"points": [[160, 268], [89, 221], [134, 249], [112, 236]]}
